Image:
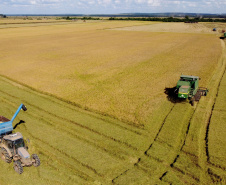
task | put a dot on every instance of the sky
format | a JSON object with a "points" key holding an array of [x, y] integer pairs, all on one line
{"points": [[110, 6]]}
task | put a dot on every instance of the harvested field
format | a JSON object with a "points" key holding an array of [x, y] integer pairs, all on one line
{"points": [[75, 79], [175, 27]]}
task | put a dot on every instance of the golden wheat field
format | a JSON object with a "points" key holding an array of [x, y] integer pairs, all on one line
{"points": [[120, 73], [98, 112]]}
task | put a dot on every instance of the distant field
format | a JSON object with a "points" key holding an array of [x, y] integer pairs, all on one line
{"points": [[17, 22], [178, 27], [25, 19], [72, 76]]}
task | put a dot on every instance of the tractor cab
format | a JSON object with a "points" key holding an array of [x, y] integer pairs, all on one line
{"points": [[13, 148], [15, 144]]}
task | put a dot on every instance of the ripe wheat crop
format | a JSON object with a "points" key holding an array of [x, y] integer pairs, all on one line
{"points": [[119, 73]]}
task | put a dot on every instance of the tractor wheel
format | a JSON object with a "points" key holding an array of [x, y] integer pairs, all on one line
{"points": [[5, 156], [36, 159], [18, 167]]}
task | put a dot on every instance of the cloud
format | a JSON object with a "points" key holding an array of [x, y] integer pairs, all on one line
{"points": [[112, 6], [30, 2]]}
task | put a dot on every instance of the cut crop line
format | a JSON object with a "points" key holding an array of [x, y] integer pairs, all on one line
{"points": [[145, 153], [181, 150], [176, 169], [113, 181], [164, 142], [86, 127], [188, 153], [214, 177], [163, 175], [223, 169], [67, 155], [72, 134], [55, 156], [78, 124], [188, 128], [79, 108], [68, 104], [204, 140], [209, 121], [95, 144]]}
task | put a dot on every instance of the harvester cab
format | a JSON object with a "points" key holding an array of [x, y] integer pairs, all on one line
{"points": [[188, 88], [13, 146]]}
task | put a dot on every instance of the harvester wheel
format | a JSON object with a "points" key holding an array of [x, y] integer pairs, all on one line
{"points": [[18, 167], [5, 155], [36, 159], [192, 101]]}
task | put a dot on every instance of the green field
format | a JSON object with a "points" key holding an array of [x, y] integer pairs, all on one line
{"points": [[102, 117]]}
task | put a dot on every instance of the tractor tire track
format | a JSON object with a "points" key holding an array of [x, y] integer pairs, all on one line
{"points": [[55, 156], [186, 134], [176, 169], [214, 177], [204, 159], [209, 120], [145, 152], [67, 155]]}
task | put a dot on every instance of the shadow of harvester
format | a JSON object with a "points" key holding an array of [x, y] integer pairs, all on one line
{"points": [[172, 95]]}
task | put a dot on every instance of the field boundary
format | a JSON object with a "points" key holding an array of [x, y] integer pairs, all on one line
{"points": [[89, 111], [203, 137]]}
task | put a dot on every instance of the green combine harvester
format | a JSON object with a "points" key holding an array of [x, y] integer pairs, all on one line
{"points": [[223, 36], [188, 88]]}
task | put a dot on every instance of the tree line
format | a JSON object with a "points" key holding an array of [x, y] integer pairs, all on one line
{"points": [[171, 19]]}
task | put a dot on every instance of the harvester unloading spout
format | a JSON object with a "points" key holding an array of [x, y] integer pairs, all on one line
{"points": [[22, 106], [6, 125]]}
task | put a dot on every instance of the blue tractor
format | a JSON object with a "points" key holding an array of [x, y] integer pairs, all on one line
{"points": [[13, 146]]}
